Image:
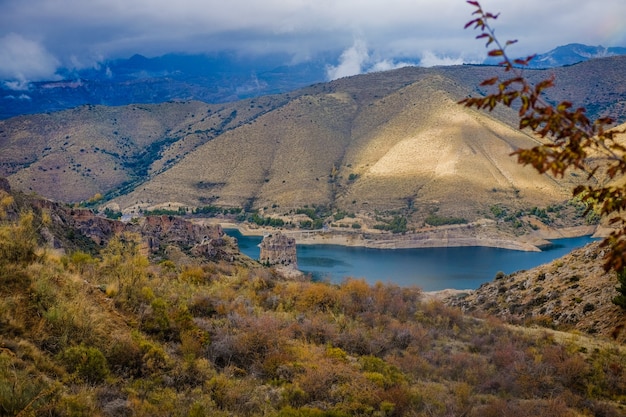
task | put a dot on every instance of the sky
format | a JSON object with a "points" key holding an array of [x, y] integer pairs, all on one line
{"points": [[37, 37]]}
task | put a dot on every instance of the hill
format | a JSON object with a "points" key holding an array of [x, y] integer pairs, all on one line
{"points": [[332, 148], [570, 293], [390, 142], [113, 333]]}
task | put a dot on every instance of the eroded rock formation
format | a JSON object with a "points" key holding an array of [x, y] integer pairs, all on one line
{"points": [[278, 249], [73, 228]]}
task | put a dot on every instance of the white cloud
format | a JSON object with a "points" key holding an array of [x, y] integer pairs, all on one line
{"points": [[351, 61], [23, 60], [387, 64], [358, 60], [430, 59], [79, 33]]}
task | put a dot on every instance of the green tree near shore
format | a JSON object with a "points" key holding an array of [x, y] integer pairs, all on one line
{"points": [[570, 139]]}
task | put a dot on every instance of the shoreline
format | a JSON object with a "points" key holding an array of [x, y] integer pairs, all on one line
{"points": [[535, 241], [440, 237]]}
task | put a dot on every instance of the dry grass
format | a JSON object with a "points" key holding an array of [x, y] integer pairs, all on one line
{"points": [[570, 293], [225, 339]]}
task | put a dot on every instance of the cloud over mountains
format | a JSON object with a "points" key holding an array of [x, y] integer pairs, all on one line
{"points": [[39, 36]]}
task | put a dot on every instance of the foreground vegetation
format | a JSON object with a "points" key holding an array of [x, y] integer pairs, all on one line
{"points": [[117, 335]]}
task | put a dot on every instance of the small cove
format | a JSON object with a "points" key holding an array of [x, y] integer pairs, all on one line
{"points": [[431, 269]]}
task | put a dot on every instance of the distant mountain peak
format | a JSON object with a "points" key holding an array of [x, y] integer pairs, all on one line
{"points": [[217, 78], [573, 53]]}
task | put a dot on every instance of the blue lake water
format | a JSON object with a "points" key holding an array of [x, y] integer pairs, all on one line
{"points": [[428, 268]]}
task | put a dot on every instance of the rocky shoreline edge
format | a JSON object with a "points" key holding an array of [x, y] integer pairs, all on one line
{"points": [[479, 234]]}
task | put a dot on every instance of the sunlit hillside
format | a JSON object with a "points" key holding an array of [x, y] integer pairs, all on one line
{"points": [[412, 146], [383, 142]]}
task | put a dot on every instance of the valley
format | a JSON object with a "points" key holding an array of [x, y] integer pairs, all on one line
{"points": [[122, 295], [213, 232], [95, 321]]}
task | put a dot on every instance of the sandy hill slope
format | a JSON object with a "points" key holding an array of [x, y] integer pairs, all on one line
{"points": [[371, 150], [389, 141], [74, 154]]}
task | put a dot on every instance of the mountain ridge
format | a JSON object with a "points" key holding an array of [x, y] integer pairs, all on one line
{"points": [[213, 78], [384, 145]]}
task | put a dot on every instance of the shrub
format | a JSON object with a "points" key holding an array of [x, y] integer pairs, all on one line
{"points": [[620, 299], [396, 225], [18, 241], [124, 266], [22, 389], [86, 362], [435, 220]]}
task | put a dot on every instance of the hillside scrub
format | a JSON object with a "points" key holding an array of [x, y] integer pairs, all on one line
{"points": [[115, 334]]}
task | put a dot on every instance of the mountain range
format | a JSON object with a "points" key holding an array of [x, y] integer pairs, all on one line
{"points": [[383, 144], [572, 54], [216, 78]]}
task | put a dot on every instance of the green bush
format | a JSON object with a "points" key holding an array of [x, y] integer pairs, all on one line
{"points": [[620, 299], [112, 214], [86, 362], [435, 220], [396, 225]]}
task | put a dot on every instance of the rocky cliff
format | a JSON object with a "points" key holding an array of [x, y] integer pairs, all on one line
{"points": [[63, 227], [278, 249]]}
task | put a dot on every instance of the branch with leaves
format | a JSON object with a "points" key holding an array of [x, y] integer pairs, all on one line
{"points": [[570, 139]]}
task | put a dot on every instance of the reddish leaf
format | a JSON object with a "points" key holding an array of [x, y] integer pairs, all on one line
{"points": [[490, 81], [471, 22]]}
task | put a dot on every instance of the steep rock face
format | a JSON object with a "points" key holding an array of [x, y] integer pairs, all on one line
{"points": [[278, 249], [99, 229], [77, 227], [158, 230]]}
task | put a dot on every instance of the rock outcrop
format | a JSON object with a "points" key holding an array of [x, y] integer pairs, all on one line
{"points": [[278, 249], [160, 230], [73, 228], [4, 185]]}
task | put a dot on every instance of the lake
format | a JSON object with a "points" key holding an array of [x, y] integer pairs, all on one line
{"points": [[431, 269]]}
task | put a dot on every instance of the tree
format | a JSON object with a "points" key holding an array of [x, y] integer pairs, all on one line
{"points": [[570, 139]]}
